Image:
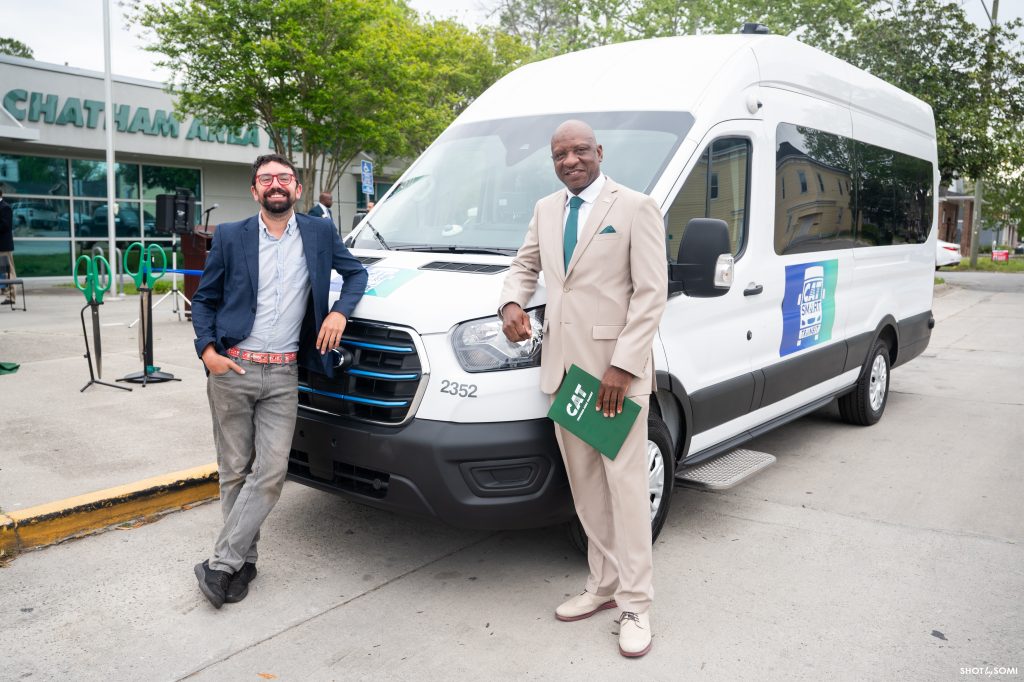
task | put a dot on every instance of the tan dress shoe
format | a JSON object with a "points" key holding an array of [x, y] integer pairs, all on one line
{"points": [[583, 606], [634, 634]]}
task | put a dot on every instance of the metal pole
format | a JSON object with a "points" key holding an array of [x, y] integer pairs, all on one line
{"points": [[108, 110], [979, 192]]}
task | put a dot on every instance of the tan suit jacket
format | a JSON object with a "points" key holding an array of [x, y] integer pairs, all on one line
{"points": [[606, 308]]}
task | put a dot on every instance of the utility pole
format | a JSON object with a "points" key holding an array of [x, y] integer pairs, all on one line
{"points": [[979, 183]]}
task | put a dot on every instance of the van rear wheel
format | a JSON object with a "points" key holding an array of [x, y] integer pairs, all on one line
{"points": [[660, 482], [864, 405]]}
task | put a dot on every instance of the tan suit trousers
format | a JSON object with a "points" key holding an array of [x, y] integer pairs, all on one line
{"points": [[612, 500]]}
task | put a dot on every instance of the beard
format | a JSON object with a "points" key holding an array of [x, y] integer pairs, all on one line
{"points": [[277, 202]]}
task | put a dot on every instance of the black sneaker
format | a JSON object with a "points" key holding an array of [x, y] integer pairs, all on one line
{"points": [[213, 583], [239, 587]]}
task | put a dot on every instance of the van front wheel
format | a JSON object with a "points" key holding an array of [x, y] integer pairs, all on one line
{"points": [[660, 482], [864, 405]]}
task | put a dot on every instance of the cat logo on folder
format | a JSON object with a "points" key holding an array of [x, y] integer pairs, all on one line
{"points": [[578, 402], [574, 410]]}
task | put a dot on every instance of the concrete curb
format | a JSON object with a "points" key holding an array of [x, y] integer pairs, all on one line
{"points": [[47, 524]]}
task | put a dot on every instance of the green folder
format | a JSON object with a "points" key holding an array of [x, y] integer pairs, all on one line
{"points": [[574, 410]]}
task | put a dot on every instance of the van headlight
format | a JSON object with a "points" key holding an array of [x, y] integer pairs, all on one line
{"points": [[481, 346]]}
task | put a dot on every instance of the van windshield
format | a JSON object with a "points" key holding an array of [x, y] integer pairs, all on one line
{"points": [[474, 190]]}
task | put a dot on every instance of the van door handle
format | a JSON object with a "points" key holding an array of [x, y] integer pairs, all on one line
{"points": [[753, 289]]}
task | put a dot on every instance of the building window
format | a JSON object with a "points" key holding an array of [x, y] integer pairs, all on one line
{"points": [[57, 201], [803, 182]]}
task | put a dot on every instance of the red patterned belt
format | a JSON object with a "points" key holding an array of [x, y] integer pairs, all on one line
{"points": [[263, 358]]}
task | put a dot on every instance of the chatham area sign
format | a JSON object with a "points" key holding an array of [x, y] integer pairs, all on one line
{"points": [[65, 105]]}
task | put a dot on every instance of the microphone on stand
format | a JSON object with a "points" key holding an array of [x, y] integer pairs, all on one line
{"points": [[206, 215]]}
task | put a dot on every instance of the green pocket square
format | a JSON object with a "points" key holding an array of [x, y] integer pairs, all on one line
{"points": [[608, 230]]}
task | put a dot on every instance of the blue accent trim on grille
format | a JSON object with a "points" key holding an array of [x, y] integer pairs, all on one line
{"points": [[382, 375], [377, 346], [357, 399]]}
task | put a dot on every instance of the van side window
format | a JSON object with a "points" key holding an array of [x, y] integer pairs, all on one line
{"points": [[718, 187], [887, 198]]}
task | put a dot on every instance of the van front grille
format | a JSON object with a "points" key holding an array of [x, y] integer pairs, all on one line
{"points": [[379, 384]]}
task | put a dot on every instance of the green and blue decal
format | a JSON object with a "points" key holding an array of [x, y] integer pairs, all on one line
{"points": [[809, 305], [382, 282]]}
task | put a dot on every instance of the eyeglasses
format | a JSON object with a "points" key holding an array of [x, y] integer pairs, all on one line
{"points": [[266, 179]]}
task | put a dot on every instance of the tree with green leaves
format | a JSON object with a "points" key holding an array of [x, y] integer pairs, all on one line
{"points": [[325, 78], [15, 48], [973, 78], [553, 27]]}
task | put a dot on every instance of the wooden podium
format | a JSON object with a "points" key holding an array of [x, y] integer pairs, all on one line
{"points": [[194, 248]]}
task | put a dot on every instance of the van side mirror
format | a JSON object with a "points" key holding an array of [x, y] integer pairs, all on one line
{"points": [[704, 266]]}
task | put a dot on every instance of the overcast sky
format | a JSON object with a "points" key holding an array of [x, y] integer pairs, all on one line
{"points": [[71, 31]]}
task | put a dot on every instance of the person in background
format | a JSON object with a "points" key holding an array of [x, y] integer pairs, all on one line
{"points": [[360, 214], [7, 247], [322, 209]]}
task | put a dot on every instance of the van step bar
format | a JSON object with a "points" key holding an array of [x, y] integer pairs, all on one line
{"points": [[726, 470]]}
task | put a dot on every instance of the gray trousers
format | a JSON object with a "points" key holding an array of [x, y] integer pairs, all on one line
{"points": [[253, 423]]}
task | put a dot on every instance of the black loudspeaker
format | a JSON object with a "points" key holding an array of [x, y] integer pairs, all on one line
{"points": [[175, 212]]}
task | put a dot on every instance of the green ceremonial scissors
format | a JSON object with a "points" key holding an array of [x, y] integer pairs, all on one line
{"points": [[94, 299], [91, 288], [146, 274]]}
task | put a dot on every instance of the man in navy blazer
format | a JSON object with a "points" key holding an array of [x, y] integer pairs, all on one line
{"points": [[261, 309]]}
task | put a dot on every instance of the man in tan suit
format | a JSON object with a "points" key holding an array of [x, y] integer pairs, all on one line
{"points": [[601, 247]]}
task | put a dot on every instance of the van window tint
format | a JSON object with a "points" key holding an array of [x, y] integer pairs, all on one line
{"points": [[894, 197], [878, 197], [716, 188]]}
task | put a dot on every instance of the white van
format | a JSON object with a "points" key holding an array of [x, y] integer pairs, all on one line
{"points": [[799, 202]]}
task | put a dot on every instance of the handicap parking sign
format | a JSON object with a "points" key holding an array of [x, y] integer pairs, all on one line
{"points": [[367, 173]]}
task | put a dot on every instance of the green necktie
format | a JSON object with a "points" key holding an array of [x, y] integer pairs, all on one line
{"points": [[571, 227]]}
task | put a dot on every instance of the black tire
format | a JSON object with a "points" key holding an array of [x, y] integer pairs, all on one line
{"points": [[661, 463], [865, 404]]}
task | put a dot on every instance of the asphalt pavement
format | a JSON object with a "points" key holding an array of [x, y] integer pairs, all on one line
{"points": [[887, 552]]}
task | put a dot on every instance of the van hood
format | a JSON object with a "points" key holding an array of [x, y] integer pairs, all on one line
{"points": [[430, 292]]}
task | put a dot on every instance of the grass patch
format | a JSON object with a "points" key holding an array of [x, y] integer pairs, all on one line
{"points": [[160, 287], [939, 280], [985, 264]]}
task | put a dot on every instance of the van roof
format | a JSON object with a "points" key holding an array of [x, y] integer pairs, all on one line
{"points": [[680, 73]]}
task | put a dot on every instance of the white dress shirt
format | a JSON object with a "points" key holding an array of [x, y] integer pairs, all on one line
{"points": [[589, 196]]}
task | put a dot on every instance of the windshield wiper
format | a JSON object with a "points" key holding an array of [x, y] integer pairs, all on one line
{"points": [[441, 248], [377, 236]]}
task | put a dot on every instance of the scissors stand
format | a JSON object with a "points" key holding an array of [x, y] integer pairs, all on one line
{"points": [[174, 293], [149, 373], [88, 355]]}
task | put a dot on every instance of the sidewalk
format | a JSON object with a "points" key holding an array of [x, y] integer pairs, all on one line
{"points": [[59, 443]]}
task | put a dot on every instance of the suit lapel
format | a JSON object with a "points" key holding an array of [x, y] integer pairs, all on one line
{"points": [[309, 246], [553, 213], [597, 214], [251, 251]]}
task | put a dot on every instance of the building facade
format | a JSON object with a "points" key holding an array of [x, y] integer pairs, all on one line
{"points": [[53, 169]]}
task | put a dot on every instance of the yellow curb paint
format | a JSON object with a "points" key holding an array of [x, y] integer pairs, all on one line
{"points": [[8, 536], [49, 523]]}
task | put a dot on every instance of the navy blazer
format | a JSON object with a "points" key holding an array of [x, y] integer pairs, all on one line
{"points": [[224, 306], [318, 212]]}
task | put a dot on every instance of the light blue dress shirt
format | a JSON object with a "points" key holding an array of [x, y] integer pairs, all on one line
{"points": [[283, 291]]}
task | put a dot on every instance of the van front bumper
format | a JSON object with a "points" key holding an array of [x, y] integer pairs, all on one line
{"points": [[493, 476]]}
